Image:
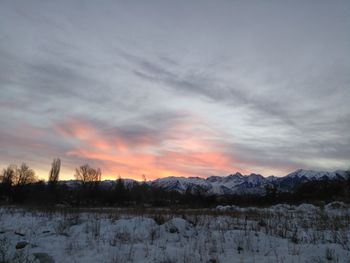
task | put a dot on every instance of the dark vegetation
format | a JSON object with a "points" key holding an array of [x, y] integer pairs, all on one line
{"points": [[19, 185]]}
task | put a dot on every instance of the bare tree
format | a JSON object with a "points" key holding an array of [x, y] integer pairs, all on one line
{"points": [[8, 178], [86, 174], [55, 171], [25, 175]]}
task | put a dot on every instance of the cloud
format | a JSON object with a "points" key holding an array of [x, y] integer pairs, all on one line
{"points": [[254, 87], [233, 94], [177, 147]]}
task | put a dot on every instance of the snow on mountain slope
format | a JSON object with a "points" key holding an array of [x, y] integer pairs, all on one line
{"points": [[244, 184], [316, 175], [182, 184], [231, 184]]}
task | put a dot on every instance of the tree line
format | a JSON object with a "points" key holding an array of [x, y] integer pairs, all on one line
{"points": [[20, 185]]}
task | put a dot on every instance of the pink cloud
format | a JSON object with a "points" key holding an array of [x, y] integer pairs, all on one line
{"points": [[183, 148]]}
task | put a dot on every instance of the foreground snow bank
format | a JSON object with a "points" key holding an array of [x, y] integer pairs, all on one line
{"points": [[277, 234]]}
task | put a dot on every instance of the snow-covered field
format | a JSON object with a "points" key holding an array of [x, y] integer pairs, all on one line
{"points": [[281, 233]]}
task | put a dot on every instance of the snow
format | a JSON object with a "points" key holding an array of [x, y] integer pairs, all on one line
{"points": [[307, 208], [239, 184], [317, 175], [336, 205], [281, 233]]}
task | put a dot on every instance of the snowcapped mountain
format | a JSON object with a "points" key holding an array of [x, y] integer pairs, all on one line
{"points": [[300, 176], [231, 184], [244, 184], [317, 175], [182, 184]]}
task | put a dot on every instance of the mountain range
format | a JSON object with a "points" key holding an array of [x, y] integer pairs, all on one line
{"points": [[234, 183]]}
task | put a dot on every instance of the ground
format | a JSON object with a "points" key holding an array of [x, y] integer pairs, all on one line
{"points": [[281, 233]]}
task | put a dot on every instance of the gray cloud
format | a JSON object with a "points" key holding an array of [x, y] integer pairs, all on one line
{"points": [[269, 81]]}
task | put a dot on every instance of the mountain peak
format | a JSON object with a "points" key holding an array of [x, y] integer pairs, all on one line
{"points": [[237, 174]]}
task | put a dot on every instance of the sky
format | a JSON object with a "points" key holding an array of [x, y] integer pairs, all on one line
{"points": [[175, 88]]}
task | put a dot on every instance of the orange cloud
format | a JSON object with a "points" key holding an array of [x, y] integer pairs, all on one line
{"points": [[83, 131], [182, 149]]}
